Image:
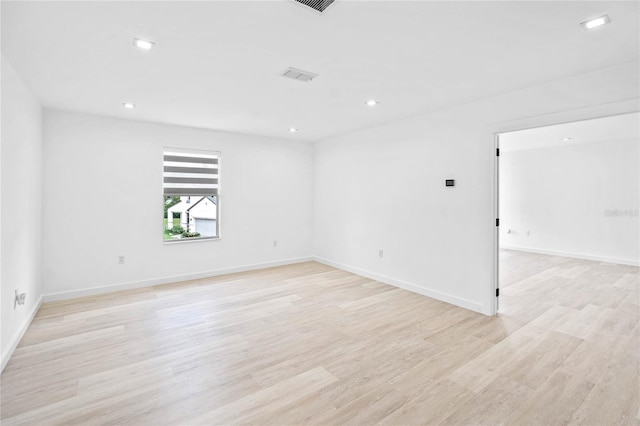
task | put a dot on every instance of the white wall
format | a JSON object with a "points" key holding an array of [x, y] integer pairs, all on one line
{"points": [[561, 195], [21, 207], [103, 199], [383, 188]]}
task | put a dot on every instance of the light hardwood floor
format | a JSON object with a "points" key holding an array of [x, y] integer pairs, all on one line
{"points": [[309, 344]]}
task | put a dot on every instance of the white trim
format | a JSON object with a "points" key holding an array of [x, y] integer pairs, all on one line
{"points": [[574, 255], [17, 337], [167, 280], [444, 297], [190, 240]]}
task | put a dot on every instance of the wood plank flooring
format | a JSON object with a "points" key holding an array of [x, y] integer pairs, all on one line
{"points": [[309, 344]]}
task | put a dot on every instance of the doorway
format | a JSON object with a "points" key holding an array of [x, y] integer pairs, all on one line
{"points": [[568, 200]]}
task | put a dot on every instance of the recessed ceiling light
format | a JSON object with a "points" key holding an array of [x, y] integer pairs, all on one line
{"points": [[372, 102], [566, 139], [143, 44], [595, 23], [293, 130], [128, 105]]}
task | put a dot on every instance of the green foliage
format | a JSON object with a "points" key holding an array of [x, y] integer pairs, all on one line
{"points": [[187, 234], [176, 230], [168, 235]]}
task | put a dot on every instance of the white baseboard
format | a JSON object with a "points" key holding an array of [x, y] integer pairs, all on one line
{"points": [[13, 344], [444, 297], [574, 255], [167, 280]]}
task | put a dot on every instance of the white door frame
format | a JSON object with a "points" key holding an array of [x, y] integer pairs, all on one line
{"points": [[496, 252], [564, 117]]}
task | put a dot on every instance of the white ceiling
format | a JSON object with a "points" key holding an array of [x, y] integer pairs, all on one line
{"points": [[602, 130], [217, 64]]}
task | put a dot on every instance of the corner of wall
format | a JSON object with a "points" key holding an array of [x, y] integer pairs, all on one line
{"points": [[17, 337], [22, 183]]}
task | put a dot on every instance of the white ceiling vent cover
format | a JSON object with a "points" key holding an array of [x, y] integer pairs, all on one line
{"points": [[319, 5], [299, 75]]}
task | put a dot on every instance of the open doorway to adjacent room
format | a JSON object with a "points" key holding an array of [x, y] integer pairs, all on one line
{"points": [[569, 229]]}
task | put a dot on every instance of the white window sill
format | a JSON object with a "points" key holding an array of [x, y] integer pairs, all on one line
{"points": [[190, 240]]}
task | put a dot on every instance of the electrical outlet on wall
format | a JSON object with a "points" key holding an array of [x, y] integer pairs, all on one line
{"points": [[19, 300], [120, 260], [380, 253], [275, 243]]}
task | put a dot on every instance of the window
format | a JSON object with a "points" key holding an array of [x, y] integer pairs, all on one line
{"points": [[191, 194]]}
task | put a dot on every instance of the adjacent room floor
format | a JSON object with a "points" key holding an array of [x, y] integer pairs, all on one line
{"points": [[310, 344]]}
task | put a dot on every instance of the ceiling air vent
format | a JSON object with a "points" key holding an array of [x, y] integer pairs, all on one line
{"points": [[299, 75], [319, 5]]}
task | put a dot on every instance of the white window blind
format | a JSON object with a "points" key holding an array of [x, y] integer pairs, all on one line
{"points": [[191, 172]]}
